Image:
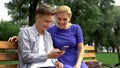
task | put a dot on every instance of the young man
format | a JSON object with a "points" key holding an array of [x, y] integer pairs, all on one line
{"points": [[35, 46]]}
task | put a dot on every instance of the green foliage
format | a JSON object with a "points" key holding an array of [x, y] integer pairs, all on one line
{"points": [[8, 29], [18, 10], [25, 9], [116, 12], [99, 23]]}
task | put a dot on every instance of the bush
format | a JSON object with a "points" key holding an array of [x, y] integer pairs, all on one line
{"points": [[8, 29]]}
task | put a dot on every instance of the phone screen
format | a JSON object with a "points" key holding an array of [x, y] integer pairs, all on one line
{"points": [[64, 47]]}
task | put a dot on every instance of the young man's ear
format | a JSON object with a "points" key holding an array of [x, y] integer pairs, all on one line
{"points": [[37, 16]]}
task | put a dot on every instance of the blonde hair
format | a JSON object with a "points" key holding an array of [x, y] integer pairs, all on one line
{"points": [[64, 9]]}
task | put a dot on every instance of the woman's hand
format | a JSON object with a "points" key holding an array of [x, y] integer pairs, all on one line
{"points": [[77, 66]]}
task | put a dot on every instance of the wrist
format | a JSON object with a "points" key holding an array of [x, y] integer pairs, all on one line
{"points": [[48, 55]]}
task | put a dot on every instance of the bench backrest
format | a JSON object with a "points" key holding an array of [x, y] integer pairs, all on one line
{"points": [[89, 54], [8, 52]]}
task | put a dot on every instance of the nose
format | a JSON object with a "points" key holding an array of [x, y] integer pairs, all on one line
{"points": [[61, 21], [48, 24]]}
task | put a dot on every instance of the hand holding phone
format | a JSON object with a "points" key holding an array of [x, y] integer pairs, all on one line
{"points": [[64, 47]]}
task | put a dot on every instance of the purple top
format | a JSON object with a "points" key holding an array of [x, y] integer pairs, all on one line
{"points": [[67, 37]]}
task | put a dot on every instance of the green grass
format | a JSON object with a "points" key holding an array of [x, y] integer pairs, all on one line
{"points": [[8, 62], [107, 58]]}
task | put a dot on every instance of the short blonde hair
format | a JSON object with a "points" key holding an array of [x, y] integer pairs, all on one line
{"points": [[64, 9]]}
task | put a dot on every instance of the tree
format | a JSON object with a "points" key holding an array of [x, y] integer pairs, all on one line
{"points": [[94, 16], [25, 9]]}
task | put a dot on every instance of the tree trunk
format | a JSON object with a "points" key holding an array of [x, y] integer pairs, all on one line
{"points": [[32, 10], [107, 49], [113, 49], [96, 46]]}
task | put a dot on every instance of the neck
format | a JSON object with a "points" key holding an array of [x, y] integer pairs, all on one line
{"points": [[68, 25], [65, 27], [39, 30]]}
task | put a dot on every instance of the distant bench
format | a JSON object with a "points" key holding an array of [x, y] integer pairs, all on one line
{"points": [[92, 62], [90, 57]]}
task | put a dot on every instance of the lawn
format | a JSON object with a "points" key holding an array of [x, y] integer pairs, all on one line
{"points": [[107, 58]]}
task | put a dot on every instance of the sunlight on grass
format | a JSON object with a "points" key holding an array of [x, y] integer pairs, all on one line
{"points": [[108, 58], [8, 62]]}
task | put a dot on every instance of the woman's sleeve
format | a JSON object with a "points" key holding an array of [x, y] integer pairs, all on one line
{"points": [[79, 34]]}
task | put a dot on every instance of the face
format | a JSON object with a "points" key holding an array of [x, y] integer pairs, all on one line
{"points": [[62, 20], [43, 22]]}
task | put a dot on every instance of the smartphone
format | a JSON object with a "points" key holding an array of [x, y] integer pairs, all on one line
{"points": [[64, 47]]}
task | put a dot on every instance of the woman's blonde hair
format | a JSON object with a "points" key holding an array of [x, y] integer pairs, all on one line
{"points": [[64, 9]]}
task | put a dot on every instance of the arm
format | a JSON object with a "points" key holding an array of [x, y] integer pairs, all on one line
{"points": [[80, 46], [29, 56], [80, 55]]}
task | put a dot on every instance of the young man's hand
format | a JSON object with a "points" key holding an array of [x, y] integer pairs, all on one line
{"points": [[55, 53], [13, 39]]}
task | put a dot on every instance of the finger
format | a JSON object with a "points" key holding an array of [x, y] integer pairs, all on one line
{"points": [[9, 39]]}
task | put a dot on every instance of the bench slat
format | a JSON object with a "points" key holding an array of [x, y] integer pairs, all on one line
{"points": [[89, 48], [8, 66], [93, 60], [8, 56], [88, 55], [8, 45]]}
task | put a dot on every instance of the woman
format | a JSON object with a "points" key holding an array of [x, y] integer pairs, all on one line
{"points": [[65, 33]]}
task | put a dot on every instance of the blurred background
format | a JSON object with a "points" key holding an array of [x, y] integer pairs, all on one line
{"points": [[99, 20]]}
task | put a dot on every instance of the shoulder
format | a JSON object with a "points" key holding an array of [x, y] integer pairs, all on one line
{"points": [[76, 26], [25, 30], [47, 33], [51, 28]]}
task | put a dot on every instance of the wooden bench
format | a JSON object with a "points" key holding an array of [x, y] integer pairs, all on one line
{"points": [[8, 52], [90, 56]]}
